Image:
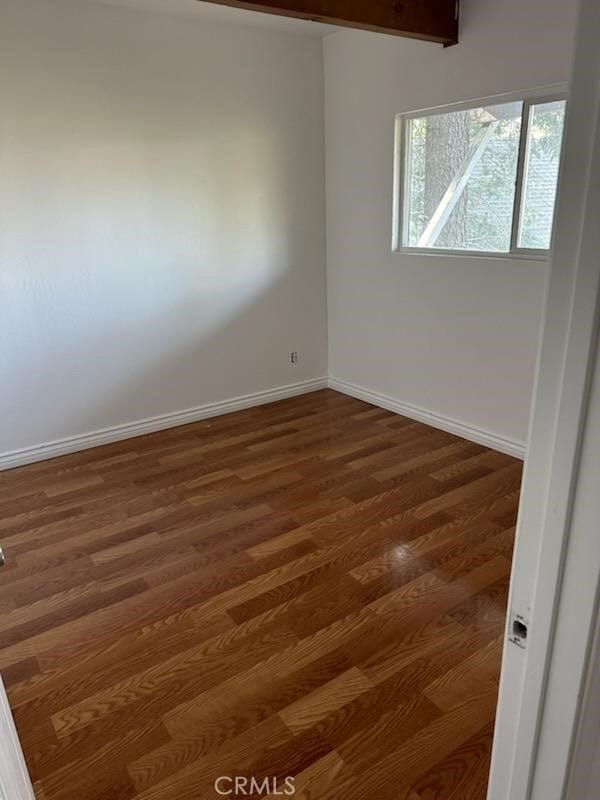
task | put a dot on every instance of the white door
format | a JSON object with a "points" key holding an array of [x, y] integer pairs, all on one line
{"points": [[14, 778], [555, 585]]}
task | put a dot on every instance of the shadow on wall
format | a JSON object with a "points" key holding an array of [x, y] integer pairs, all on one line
{"points": [[150, 278]]}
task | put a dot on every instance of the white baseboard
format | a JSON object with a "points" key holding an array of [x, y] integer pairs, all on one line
{"points": [[485, 438], [14, 778], [73, 444]]}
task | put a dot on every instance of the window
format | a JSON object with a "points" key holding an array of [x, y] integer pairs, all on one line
{"points": [[480, 179]]}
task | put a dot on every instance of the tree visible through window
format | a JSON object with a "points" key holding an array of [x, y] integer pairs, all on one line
{"points": [[544, 145], [461, 171]]}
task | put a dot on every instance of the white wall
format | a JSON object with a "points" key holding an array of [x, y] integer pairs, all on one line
{"points": [[454, 336], [162, 215]]}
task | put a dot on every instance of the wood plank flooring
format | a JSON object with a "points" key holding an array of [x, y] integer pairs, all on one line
{"points": [[315, 589]]}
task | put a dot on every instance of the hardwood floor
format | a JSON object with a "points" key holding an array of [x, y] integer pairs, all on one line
{"points": [[313, 589]]}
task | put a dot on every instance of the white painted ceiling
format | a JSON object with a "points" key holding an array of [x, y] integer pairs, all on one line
{"points": [[210, 11]]}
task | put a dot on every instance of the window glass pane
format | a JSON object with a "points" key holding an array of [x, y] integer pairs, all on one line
{"points": [[544, 143], [460, 178]]}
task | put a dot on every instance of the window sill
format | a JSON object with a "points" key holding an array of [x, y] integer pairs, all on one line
{"points": [[514, 255]]}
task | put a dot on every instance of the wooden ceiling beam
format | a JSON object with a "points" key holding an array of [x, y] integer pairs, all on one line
{"points": [[431, 20]]}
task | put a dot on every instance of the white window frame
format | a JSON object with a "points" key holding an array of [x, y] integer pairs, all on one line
{"points": [[529, 98]]}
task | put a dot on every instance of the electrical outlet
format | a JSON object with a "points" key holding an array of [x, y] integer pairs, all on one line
{"points": [[294, 358]]}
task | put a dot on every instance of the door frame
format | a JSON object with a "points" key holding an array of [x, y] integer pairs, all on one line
{"points": [[15, 783], [532, 758]]}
